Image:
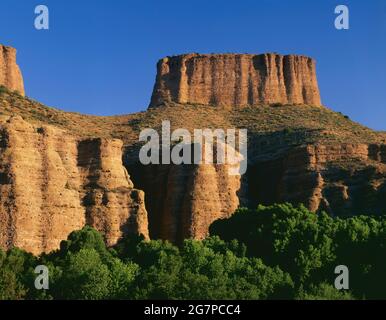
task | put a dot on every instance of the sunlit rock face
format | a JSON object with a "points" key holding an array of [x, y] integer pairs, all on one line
{"points": [[236, 80], [10, 75]]}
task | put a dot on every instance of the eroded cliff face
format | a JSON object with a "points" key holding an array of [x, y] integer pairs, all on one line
{"points": [[342, 179], [183, 200], [10, 75], [52, 184], [236, 80]]}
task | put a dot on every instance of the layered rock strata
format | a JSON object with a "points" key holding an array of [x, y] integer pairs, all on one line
{"points": [[236, 80], [342, 179], [10, 74], [52, 184]]}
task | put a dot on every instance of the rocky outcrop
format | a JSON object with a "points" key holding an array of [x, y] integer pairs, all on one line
{"points": [[236, 80], [340, 179], [183, 200], [10, 75], [52, 184], [112, 204]]}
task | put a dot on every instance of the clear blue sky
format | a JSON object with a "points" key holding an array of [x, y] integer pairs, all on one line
{"points": [[99, 56]]}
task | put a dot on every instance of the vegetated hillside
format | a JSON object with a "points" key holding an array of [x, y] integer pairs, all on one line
{"points": [[299, 124], [275, 252]]}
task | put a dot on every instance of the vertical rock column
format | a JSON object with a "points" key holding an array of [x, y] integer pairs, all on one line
{"points": [[10, 74]]}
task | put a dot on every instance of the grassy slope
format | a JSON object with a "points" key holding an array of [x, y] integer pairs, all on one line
{"points": [[299, 124]]}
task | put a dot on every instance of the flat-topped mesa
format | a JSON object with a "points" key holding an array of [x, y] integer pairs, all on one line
{"points": [[10, 74], [236, 80]]}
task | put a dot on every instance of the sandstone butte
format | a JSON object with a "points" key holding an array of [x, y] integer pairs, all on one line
{"points": [[60, 171], [236, 80], [10, 75]]}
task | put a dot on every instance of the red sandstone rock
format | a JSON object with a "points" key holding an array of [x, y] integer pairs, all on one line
{"points": [[10, 75], [236, 80], [335, 178], [51, 184]]}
